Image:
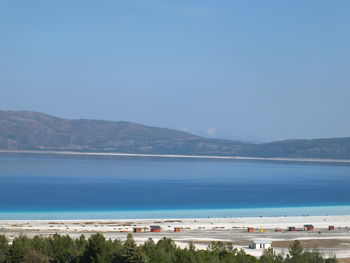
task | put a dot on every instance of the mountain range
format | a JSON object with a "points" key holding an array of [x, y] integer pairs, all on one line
{"points": [[35, 131]]}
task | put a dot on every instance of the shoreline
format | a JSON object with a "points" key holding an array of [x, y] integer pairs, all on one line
{"points": [[164, 214], [268, 222], [281, 159]]}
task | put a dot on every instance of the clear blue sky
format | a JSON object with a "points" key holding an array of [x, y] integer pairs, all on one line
{"points": [[273, 69]]}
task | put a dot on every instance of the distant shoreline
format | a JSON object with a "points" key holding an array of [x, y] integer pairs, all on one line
{"points": [[283, 159]]}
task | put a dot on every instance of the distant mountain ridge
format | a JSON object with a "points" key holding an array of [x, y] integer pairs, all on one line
{"points": [[26, 130]]}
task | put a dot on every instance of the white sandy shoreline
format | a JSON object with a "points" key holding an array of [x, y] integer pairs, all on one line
{"points": [[184, 156], [340, 221]]}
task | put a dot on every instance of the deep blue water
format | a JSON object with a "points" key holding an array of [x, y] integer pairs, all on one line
{"points": [[30, 183]]}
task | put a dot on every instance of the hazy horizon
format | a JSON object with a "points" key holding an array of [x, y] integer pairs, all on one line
{"points": [[260, 70]]}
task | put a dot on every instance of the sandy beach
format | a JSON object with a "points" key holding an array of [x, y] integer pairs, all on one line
{"points": [[280, 159], [202, 231]]}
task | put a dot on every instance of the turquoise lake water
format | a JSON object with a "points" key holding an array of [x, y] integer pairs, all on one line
{"points": [[72, 187]]}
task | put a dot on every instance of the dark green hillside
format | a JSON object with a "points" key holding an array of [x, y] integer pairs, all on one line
{"points": [[24, 130], [38, 131], [316, 148]]}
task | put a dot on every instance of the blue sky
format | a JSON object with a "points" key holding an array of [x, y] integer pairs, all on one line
{"points": [[271, 69]]}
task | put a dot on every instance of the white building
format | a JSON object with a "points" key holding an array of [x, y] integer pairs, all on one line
{"points": [[260, 244]]}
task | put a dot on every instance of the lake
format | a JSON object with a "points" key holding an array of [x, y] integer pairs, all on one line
{"points": [[67, 187]]}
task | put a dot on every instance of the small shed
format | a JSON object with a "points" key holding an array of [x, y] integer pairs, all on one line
{"points": [[250, 229], [331, 228], [156, 229], [137, 229], [292, 228], [309, 227], [178, 229], [260, 244]]}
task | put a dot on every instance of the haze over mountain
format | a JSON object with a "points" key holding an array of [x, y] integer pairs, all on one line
{"points": [[26, 130]]}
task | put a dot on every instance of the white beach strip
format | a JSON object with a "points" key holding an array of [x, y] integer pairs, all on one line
{"points": [[195, 223], [184, 156]]}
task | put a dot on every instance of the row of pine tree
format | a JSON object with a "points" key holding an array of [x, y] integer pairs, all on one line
{"points": [[98, 249]]}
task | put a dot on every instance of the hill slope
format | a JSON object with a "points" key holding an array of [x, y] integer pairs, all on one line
{"points": [[24, 130], [20, 130]]}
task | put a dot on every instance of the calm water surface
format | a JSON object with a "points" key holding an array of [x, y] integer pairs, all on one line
{"points": [[37, 183]]}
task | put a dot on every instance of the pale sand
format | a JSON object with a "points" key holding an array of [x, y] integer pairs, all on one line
{"points": [[283, 159], [202, 231]]}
